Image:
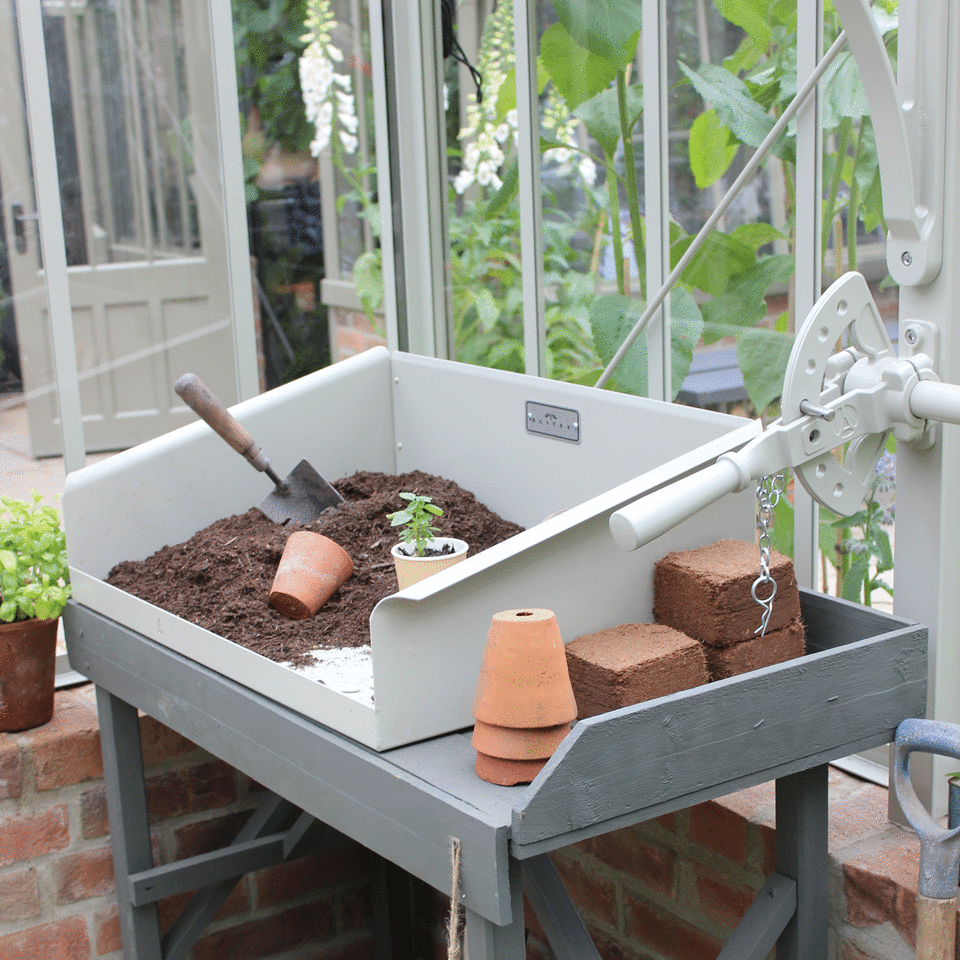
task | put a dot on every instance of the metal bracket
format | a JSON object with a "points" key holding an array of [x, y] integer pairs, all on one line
{"points": [[909, 120]]}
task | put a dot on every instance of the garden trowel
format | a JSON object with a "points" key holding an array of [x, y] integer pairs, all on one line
{"points": [[302, 497]]}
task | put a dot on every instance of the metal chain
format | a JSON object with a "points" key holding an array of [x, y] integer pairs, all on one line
{"points": [[769, 490]]}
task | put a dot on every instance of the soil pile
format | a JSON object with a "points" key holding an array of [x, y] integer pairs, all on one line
{"points": [[220, 578]]}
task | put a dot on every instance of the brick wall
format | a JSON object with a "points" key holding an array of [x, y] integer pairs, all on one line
{"points": [[671, 889], [56, 868], [352, 333]]}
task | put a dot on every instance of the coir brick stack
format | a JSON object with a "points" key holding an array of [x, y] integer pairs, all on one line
{"points": [[632, 663], [706, 593]]}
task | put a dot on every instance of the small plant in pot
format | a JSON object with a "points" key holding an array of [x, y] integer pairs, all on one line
{"points": [[34, 587], [421, 552]]}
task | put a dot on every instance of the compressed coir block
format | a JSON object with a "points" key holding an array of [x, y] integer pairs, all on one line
{"points": [[705, 593], [773, 647], [631, 663]]}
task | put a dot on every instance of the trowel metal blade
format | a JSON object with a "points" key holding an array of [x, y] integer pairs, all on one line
{"points": [[306, 496]]}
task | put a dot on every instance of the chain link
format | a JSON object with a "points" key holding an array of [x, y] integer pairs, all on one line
{"points": [[769, 490]]}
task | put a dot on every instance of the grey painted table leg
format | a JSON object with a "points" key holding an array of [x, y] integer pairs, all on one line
{"points": [[129, 825], [484, 940], [802, 855]]}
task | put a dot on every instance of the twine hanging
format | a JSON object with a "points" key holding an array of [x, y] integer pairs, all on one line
{"points": [[453, 924]]}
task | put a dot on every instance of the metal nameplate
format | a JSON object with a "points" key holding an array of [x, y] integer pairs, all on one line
{"points": [[550, 421]]}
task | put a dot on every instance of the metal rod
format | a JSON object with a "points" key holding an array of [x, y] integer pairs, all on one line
{"points": [[721, 208]]}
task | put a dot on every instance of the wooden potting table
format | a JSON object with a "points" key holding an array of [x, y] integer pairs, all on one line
{"points": [[863, 674]]}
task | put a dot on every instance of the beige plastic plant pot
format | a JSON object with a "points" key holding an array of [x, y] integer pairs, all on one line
{"points": [[413, 569]]}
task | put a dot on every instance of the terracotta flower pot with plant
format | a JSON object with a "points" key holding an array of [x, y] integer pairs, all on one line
{"points": [[421, 553], [34, 587]]}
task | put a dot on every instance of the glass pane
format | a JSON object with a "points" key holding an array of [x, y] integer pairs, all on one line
{"points": [[124, 127]]}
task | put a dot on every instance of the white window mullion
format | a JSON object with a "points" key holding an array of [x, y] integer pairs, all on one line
{"points": [[656, 194], [807, 249], [528, 162]]}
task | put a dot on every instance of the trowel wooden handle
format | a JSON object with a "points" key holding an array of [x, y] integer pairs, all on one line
{"points": [[936, 928], [197, 396]]}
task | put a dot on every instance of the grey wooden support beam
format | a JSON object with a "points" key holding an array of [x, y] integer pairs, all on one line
{"points": [[205, 903], [484, 940], [305, 830], [802, 855], [565, 931], [190, 873], [129, 821], [761, 926]]}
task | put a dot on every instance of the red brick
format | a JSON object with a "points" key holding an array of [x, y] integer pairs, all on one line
{"points": [[236, 903], [610, 948], [93, 814], [289, 881], [751, 803], [721, 901], [81, 876], [592, 892], [19, 895], [24, 837], [11, 769], [265, 936], [646, 862], [349, 342], [67, 749], [720, 829], [106, 930], [160, 742], [356, 913], [880, 884], [61, 940], [203, 836], [857, 815], [666, 934], [201, 787]]}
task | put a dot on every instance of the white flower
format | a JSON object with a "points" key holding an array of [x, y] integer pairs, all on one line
{"points": [[349, 141]]}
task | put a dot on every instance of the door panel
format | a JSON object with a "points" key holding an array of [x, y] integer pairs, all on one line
{"points": [[140, 180]]}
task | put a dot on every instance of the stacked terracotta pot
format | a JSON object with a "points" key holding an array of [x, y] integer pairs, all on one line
{"points": [[524, 701]]}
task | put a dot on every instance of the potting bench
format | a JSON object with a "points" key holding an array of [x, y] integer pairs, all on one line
{"points": [[863, 674]]}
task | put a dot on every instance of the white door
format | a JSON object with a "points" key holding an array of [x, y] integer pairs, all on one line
{"points": [[138, 152]]}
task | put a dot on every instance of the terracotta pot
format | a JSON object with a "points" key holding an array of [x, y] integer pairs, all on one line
{"points": [[507, 773], [523, 678], [511, 743], [311, 570], [28, 654], [414, 569]]}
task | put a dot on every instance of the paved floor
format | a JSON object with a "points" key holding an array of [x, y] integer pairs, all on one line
{"points": [[19, 471]]}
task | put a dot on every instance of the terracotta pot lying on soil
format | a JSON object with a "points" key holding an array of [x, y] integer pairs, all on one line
{"points": [[413, 569], [28, 653], [312, 568]]}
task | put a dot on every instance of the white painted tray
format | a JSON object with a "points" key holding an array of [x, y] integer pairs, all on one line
{"points": [[394, 413]]}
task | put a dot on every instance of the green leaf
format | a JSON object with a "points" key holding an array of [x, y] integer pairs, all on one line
{"points": [[601, 116], [510, 184], [608, 28], [757, 235], [507, 94], [751, 15], [577, 73], [763, 355], [711, 147], [720, 258], [613, 317], [735, 107]]}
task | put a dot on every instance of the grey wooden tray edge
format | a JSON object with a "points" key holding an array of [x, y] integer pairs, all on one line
{"points": [[835, 701], [345, 784]]}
